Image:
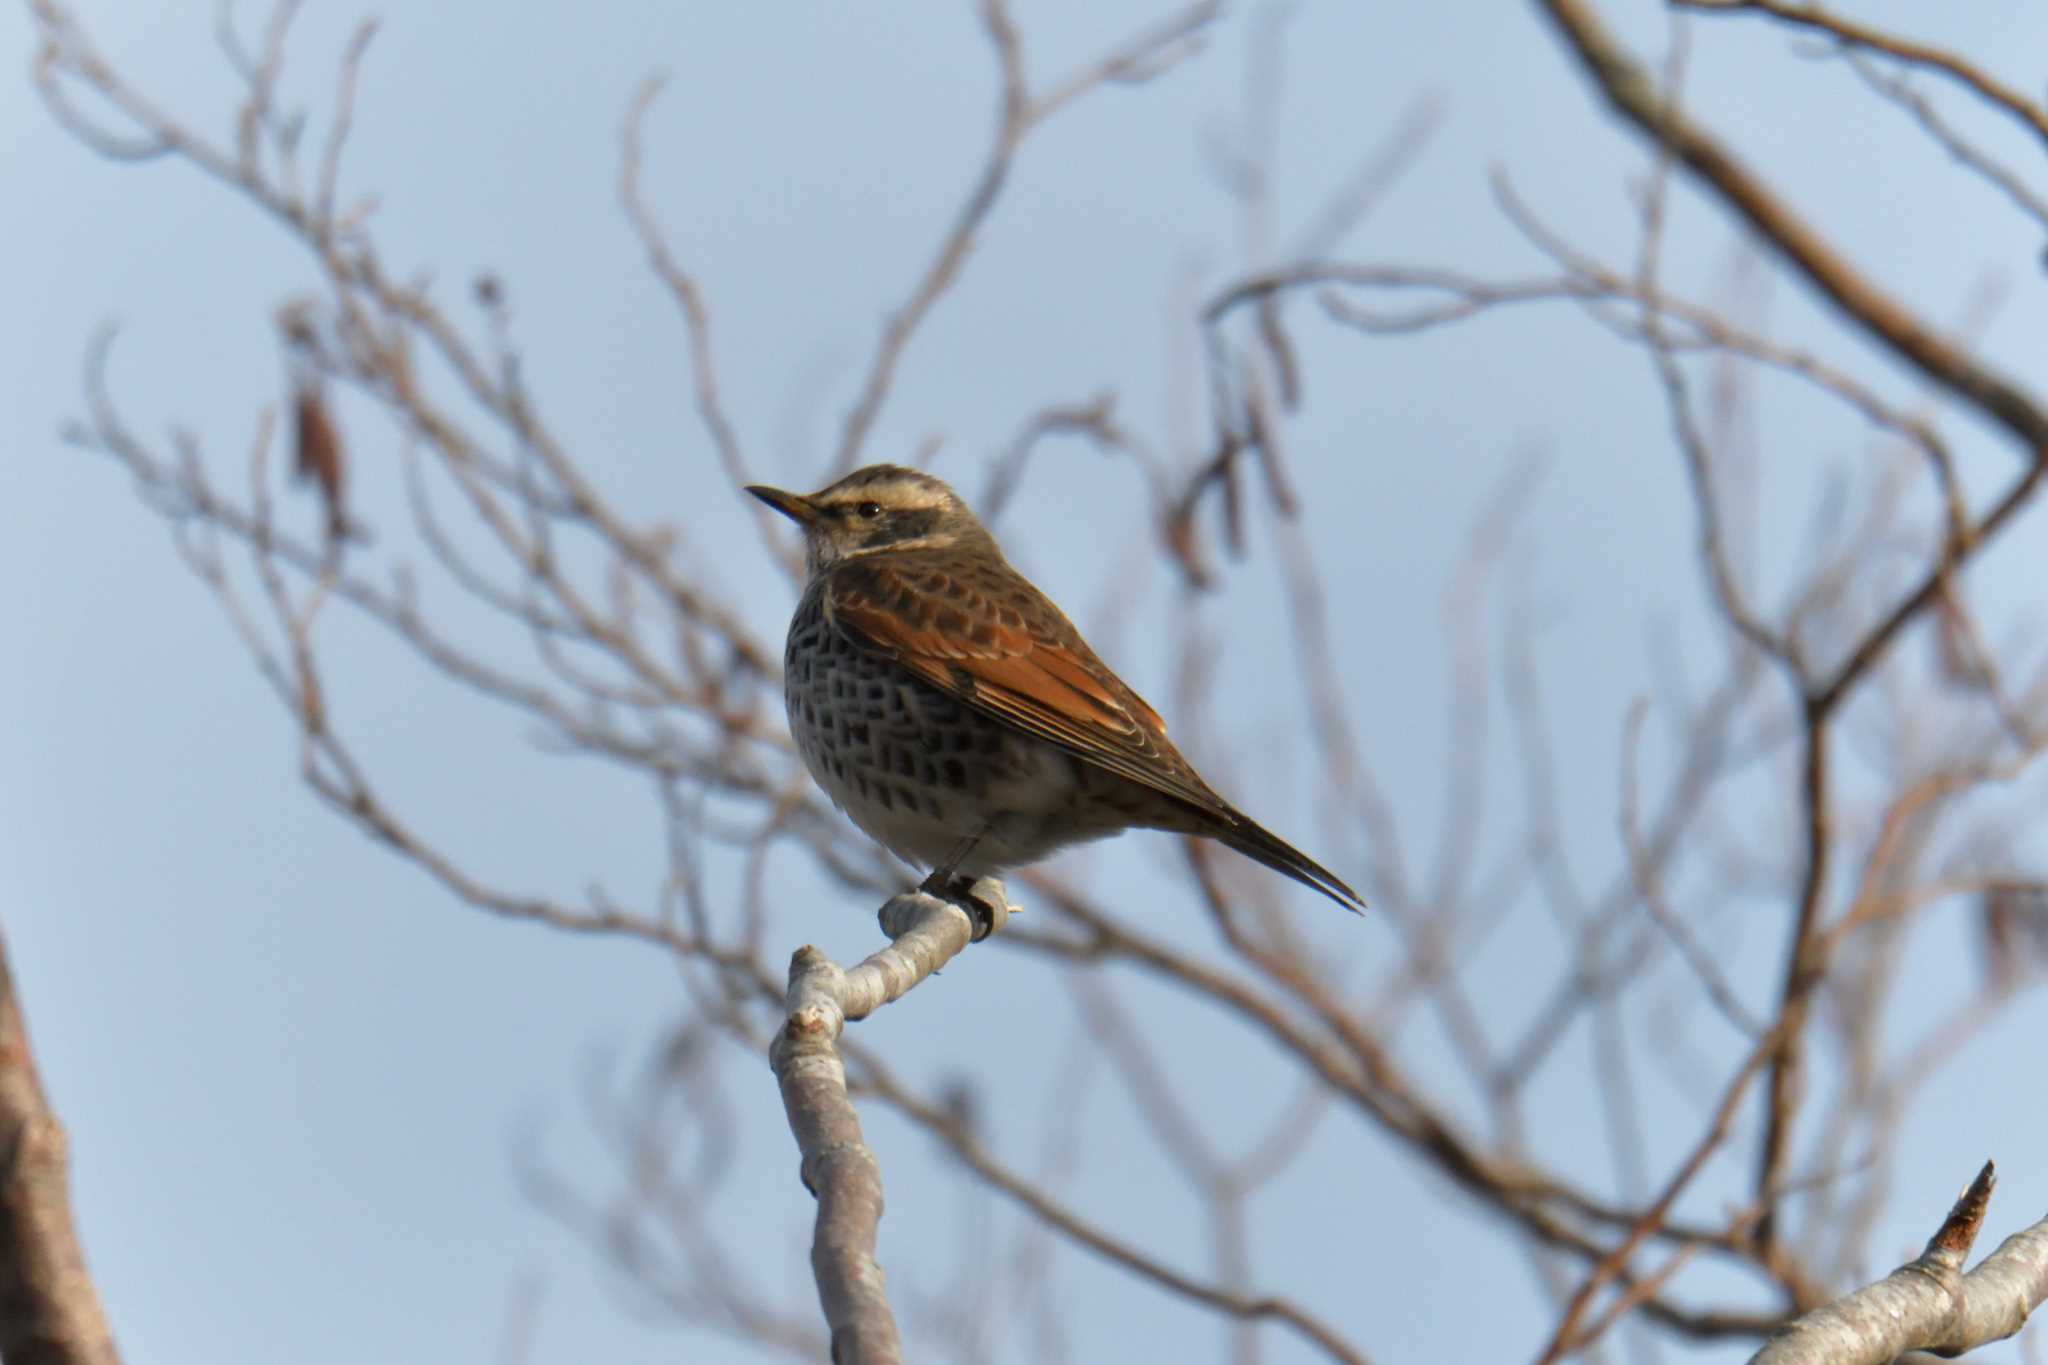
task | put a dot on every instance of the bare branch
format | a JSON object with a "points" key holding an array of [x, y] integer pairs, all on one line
{"points": [[682, 287], [1853, 33], [1148, 54], [1568, 1338], [837, 1165], [1085, 1233], [1928, 1304], [50, 1312], [338, 126], [1633, 93]]}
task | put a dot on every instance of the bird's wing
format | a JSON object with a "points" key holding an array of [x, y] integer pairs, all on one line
{"points": [[984, 635]]}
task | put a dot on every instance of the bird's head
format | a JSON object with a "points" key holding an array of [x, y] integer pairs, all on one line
{"points": [[881, 508]]}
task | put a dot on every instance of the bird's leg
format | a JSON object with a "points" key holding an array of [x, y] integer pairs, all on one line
{"points": [[945, 879], [982, 899]]}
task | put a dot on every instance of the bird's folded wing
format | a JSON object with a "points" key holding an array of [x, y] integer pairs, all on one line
{"points": [[956, 635]]}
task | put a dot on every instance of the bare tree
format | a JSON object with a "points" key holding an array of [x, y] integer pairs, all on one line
{"points": [[1841, 762]]}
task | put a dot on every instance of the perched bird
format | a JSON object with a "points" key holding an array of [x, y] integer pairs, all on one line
{"points": [[952, 711]]}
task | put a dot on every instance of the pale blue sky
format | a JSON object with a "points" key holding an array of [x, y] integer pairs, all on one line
{"points": [[293, 1070]]}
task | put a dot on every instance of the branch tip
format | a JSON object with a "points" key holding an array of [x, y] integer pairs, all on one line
{"points": [[1959, 1230]]}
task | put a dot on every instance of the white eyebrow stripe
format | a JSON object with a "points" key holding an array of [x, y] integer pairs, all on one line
{"points": [[903, 496]]}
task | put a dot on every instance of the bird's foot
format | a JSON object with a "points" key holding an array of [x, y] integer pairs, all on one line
{"points": [[984, 900]]}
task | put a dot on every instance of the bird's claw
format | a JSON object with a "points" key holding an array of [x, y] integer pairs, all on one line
{"points": [[985, 902]]}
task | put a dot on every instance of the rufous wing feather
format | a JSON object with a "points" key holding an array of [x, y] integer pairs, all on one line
{"points": [[1021, 663]]}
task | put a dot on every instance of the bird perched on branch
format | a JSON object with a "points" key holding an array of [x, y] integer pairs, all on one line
{"points": [[955, 715]]}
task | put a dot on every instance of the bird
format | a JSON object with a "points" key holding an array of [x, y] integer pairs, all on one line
{"points": [[956, 715]]}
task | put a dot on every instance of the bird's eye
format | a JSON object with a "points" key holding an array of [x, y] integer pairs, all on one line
{"points": [[868, 511]]}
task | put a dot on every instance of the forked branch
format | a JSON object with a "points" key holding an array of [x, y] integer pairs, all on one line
{"points": [[838, 1167]]}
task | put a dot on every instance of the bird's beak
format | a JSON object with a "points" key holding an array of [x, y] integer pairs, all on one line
{"points": [[792, 505]]}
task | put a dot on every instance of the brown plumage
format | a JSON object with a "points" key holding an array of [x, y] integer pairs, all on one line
{"points": [[956, 715], [317, 454]]}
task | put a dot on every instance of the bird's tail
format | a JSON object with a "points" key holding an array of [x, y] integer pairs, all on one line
{"points": [[1263, 846]]}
